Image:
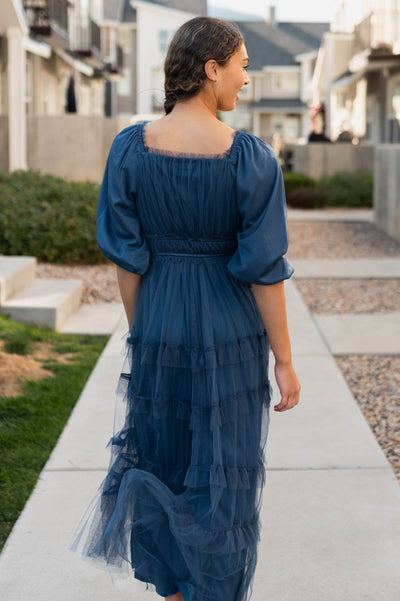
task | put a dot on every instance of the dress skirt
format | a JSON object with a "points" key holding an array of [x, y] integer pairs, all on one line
{"points": [[181, 500]]}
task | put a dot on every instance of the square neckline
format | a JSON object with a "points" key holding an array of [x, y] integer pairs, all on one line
{"points": [[227, 154]]}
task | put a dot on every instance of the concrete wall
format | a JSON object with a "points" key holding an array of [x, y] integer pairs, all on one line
{"points": [[74, 147], [387, 188], [3, 143], [319, 158]]}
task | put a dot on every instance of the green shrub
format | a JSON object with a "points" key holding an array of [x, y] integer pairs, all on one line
{"points": [[293, 181], [307, 198], [349, 189], [48, 217]]}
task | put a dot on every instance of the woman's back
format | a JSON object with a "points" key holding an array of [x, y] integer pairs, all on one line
{"points": [[188, 194]]}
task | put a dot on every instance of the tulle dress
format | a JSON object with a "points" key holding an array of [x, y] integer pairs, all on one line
{"points": [[179, 506]]}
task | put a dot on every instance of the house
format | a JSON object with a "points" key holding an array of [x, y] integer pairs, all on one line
{"points": [[358, 71], [70, 75], [282, 58], [156, 23], [51, 64], [13, 30]]}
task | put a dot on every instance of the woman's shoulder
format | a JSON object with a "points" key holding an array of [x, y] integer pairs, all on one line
{"points": [[250, 141], [255, 150], [127, 139]]}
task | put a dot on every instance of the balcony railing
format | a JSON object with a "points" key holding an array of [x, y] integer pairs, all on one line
{"points": [[116, 67], [120, 58], [379, 28], [95, 34], [47, 16], [86, 40]]}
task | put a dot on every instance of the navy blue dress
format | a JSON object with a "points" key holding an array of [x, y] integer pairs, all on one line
{"points": [[180, 503]]}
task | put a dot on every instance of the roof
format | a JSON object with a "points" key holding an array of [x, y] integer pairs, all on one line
{"points": [[279, 44], [197, 7], [128, 12], [111, 10]]}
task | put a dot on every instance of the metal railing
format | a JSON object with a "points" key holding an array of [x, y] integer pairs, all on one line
{"points": [[43, 15], [85, 39]]}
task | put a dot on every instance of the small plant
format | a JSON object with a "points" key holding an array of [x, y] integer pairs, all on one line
{"points": [[48, 217], [307, 198], [18, 345], [349, 188], [297, 180]]}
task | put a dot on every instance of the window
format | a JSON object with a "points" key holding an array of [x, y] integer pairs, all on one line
{"points": [[106, 39], [124, 39], [396, 100], [28, 86], [341, 99], [285, 81], [162, 40], [277, 122], [394, 131], [124, 84]]}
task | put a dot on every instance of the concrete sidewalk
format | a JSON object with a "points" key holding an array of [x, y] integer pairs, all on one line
{"points": [[331, 214], [331, 505]]}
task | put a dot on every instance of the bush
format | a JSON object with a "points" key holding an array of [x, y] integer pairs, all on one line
{"points": [[349, 189], [307, 198], [297, 180], [48, 217]]}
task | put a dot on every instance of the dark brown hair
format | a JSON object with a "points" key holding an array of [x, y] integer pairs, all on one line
{"points": [[194, 43]]}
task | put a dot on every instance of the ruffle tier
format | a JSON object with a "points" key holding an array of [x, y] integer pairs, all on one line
{"points": [[191, 523], [198, 359]]}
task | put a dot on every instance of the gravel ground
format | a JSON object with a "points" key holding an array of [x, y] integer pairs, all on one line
{"points": [[374, 380], [336, 240], [324, 295], [375, 384]]}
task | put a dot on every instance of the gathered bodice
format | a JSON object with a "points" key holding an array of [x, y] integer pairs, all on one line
{"points": [[189, 196], [160, 203]]}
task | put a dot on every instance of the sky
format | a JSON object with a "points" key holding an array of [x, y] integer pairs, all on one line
{"points": [[286, 10]]}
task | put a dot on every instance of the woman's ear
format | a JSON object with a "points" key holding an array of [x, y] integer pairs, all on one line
{"points": [[211, 69]]}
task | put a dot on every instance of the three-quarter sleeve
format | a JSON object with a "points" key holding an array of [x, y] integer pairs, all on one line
{"points": [[119, 233], [263, 238]]}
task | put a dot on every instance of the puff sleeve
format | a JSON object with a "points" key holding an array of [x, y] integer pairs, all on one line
{"points": [[118, 229], [263, 238]]}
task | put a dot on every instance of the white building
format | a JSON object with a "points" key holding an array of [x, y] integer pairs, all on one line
{"points": [[358, 71], [156, 24]]}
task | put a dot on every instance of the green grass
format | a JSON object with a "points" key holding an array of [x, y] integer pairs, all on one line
{"points": [[31, 423]]}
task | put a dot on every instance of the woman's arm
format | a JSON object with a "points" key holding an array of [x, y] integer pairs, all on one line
{"points": [[271, 303], [129, 284]]}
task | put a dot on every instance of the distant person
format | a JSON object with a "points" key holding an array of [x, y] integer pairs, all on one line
{"points": [[315, 137], [345, 136], [193, 214]]}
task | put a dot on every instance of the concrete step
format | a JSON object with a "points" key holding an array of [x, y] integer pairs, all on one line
{"points": [[47, 302], [94, 319], [15, 274], [359, 334]]}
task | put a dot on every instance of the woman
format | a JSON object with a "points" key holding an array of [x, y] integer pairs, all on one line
{"points": [[193, 214]]}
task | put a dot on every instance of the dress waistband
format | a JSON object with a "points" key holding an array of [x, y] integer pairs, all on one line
{"points": [[160, 245]]}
